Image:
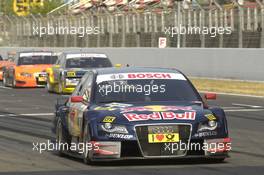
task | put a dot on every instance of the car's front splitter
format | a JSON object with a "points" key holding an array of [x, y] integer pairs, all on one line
{"points": [[107, 150]]}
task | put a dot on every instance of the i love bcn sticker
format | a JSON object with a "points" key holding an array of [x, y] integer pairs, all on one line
{"points": [[163, 138]]}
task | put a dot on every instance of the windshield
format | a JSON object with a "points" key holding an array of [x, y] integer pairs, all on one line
{"points": [[33, 60], [88, 62], [145, 90]]}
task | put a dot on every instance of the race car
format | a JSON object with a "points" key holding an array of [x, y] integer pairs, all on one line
{"points": [[28, 69], [4, 63], [139, 113], [69, 69]]}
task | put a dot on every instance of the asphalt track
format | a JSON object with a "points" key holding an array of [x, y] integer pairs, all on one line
{"points": [[25, 118]]}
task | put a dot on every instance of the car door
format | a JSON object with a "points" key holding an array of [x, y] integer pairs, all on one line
{"points": [[57, 68], [75, 117]]}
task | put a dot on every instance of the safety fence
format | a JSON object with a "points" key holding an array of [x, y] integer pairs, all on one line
{"points": [[197, 27]]}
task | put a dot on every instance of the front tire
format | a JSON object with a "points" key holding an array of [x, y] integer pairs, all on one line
{"points": [[49, 87], [60, 88], [4, 80], [86, 139], [14, 81], [61, 138]]}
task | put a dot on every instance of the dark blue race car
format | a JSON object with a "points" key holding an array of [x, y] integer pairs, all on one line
{"points": [[139, 113]]}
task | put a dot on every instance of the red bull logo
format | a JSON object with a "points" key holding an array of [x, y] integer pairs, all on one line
{"points": [[160, 116], [156, 108]]}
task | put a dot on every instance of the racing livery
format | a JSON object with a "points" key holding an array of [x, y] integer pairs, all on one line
{"points": [[70, 67], [6, 63], [139, 113], [29, 69]]}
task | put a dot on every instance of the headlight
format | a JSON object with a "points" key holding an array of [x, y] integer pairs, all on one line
{"points": [[25, 74], [113, 128], [210, 125]]}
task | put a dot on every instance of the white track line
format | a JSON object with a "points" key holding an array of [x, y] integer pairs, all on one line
{"points": [[244, 110], [246, 105], [36, 114], [232, 107], [3, 87]]}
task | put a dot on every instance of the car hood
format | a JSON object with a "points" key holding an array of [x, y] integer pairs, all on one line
{"points": [[33, 68], [78, 69], [151, 112]]}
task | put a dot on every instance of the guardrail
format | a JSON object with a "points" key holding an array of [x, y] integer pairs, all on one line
{"points": [[241, 64], [134, 28]]}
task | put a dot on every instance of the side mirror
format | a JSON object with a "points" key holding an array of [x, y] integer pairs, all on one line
{"points": [[76, 99], [118, 65], [210, 96]]}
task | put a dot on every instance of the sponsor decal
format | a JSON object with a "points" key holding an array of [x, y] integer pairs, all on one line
{"points": [[149, 75], [160, 116], [163, 138], [85, 55], [163, 129], [139, 75], [35, 54], [71, 74], [156, 108], [210, 117], [117, 76], [119, 136], [109, 119], [206, 134]]}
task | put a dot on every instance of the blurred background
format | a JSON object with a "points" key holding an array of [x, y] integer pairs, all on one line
{"points": [[132, 23]]}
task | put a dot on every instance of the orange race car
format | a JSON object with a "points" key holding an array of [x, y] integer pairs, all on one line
{"points": [[29, 69], [5, 63]]}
